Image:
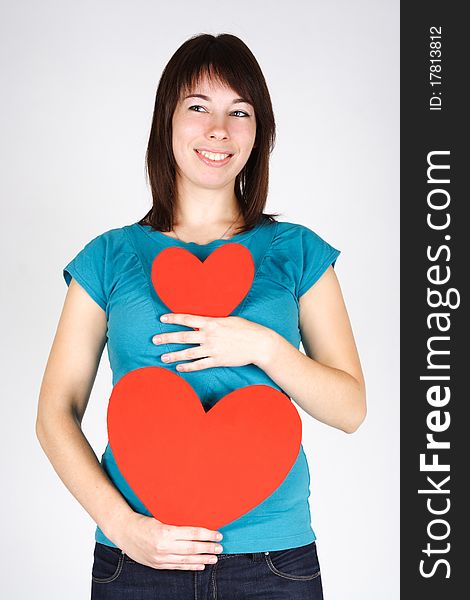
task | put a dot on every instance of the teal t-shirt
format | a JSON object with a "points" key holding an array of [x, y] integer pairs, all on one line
{"points": [[115, 269]]}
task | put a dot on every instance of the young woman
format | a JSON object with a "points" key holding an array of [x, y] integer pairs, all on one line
{"points": [[208, 156]]}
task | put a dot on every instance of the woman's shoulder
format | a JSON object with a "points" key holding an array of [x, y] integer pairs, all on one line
{"points": [[305, 251], [110, 241], [114, 234], [288, 232], [96, 265], [102, 249]]}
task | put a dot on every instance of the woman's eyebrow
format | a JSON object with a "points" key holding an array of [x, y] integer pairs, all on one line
{"points": [[235, 101]]}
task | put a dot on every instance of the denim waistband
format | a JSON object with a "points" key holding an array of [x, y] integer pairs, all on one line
{"points": [[255, 556]]}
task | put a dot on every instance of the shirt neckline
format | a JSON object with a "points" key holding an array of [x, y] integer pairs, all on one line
{"points": [[160, 237]]}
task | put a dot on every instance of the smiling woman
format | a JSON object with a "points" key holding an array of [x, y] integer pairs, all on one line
{"points": [[212, 145], [203, 303], [233, 115]]}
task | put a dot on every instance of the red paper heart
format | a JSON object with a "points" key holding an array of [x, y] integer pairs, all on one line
{"points": [[190, 467], [213, 288]]}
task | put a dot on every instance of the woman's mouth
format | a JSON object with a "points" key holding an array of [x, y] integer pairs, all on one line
{"points": [[213, 159]]}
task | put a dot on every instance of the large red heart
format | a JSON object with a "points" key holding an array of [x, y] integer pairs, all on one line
{"points": [[190, 467], [212, 288]]}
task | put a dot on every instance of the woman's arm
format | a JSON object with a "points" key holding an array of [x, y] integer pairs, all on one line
{"points": [[64, 394], [327, 383]]}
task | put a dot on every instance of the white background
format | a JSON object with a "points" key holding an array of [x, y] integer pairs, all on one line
{"points": [[79, 82]]}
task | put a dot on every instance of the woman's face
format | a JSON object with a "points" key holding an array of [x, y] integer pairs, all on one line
{"points": [[219, 122]]}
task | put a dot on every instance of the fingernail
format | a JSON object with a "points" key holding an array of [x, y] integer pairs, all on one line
{"points": [[219, 536], [164, 318], [157, 339]]}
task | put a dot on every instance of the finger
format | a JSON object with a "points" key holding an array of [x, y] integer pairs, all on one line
{"points": [[187, 354], [186, 533], [191, 559], [197, 365], [178, 337], [185, 319], [191, 548]]}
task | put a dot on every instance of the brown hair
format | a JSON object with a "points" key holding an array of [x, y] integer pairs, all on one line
{"points": [[228, 60]]}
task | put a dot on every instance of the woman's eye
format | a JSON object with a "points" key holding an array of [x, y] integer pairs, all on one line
{"points": [[196, 106]]}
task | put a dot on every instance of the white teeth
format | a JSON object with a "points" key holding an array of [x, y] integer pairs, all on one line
{"points": [[213, 156]]}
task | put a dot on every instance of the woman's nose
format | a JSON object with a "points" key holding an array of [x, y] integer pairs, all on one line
{"points": [[218, 135], [218, 129]]}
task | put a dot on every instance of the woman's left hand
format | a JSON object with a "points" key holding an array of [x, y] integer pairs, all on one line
{"points": [[223, 342]]}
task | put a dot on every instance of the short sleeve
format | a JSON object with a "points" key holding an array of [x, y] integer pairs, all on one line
{"points": [[316, 256], [89, 269]]}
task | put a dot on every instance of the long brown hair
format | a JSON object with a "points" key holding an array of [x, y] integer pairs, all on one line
{"points": [[228, 60]]}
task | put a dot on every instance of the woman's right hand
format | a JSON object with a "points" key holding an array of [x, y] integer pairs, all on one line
{"points": [[155, 544]]}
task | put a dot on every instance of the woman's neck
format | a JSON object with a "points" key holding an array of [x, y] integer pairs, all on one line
{"points": [[205, 231]]}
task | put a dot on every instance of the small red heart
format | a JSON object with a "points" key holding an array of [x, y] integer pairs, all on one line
{"points": [[210, 288], [190, 467]]}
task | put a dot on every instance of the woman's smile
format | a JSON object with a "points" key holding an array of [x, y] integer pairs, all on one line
{"points": [[213, 159]]}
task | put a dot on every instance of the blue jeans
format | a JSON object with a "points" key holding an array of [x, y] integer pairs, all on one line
{"points": [[292, 574]]}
